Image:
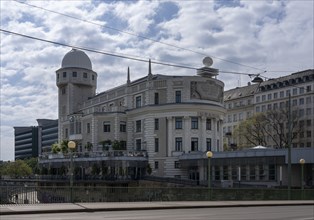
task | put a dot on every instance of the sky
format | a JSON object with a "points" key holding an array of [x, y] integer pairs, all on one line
{"points": [[242, 36]]}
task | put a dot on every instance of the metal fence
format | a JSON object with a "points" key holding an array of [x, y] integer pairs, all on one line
{"points": [[16, 194]]}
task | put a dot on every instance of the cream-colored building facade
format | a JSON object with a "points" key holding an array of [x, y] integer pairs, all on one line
{"points": [[164, 116]]}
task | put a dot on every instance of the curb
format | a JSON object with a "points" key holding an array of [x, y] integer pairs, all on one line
{"points": [[84, 208]]}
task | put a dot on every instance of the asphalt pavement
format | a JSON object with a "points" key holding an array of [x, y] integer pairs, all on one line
{"points": [[15, 209]]}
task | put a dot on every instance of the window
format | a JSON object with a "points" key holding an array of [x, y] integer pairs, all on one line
{"points": [[287, 93], [74, 74], [294, 102], [138, 144], [308, 89], [281, 94], [194, 144], [240, 116], [225, 173], [156, 124], [263, 98], [261, 172], [88, 128], [178, 96], [263, 108], [63, 90], [194, 123], [138, 126], [122, 126], [208, 124], [252, 172], [107, 126], [156, 145], [308, 123], [178, 144], [85, 75], [58, 76], [271, 172], [93, 77], [258, 108], [269, 107], [235, 118], [258, 99], [243, 172], [217, 172], [229, 119], [301, 112], [138, 101], [208, 144], [275, 106], [178, 121], [64, 74], [176, 164], [275, 95], [294, 91], [156, 165], [308, 134], [156, 98], [301, 101], [308, 111], [218, 148], [301, 90], [308, 100]]}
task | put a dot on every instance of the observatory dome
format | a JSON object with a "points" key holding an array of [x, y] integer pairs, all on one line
{"points": [[76, 58]]}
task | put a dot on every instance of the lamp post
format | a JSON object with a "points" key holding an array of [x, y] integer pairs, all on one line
{"points": [[209, 155], [302, 162], [71, 146]]}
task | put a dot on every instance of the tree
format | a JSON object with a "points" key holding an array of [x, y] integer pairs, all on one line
{"points": [[269, 128], [33, 164], [16, 169]]}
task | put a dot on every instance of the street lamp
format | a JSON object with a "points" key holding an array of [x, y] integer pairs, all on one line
{"points": [[71, 146], [209, 155], [302, 162]]}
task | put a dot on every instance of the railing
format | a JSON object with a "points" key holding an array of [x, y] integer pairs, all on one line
{"points": [[12, 194], [97, 154]]}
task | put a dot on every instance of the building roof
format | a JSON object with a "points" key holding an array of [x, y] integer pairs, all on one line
{"points": [[76, 58], [240, 92]]}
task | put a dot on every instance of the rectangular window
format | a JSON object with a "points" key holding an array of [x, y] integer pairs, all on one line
{"points": [[308, 100], [178, 144], [294, 91], [85, 75], [138, 144], [275, 95], [74, 74], [178, 96], [156, 165], [258, 99], [308, 111], [88, 128], [225, 173], [107, 126], [294, 102], [138, 126], [64, 74], [252, 172], [178, 121], [282, 94], [271, 172], [93, 77], [194, 123], [217, 172], [177, 164], [243, 172], [235, 119], [194, 144], [58, 76], [156, 145], [208, 124], [275, 106], [138, 101], [156, 98], [287, 93], [263, 98], [156, 124], [208, 144], [240, 116], [261, 172], [308, 88], [308, 134], [63, 91], [301, 101], [122, 126]]}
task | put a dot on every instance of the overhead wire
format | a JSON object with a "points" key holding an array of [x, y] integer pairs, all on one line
{"points": [[136, 35]]}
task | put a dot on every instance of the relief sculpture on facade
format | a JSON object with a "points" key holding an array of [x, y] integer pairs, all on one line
{"points": [[206, 91]]}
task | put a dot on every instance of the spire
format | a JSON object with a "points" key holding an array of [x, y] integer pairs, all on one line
{"points": [[128, 77], [149, 69]]}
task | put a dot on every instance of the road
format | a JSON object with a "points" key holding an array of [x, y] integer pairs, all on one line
{"points": [[241, 213]]}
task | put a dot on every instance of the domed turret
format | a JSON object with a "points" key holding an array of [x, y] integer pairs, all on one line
{"points": [[76, 58]]}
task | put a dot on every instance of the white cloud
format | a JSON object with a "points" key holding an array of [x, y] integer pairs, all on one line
{"points": [[270, 35]]}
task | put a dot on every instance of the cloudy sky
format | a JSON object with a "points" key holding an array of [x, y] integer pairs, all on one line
{"points": [[241, 36]]}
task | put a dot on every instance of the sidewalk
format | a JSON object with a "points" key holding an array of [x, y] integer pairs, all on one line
{"points": [[122, 206]]}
